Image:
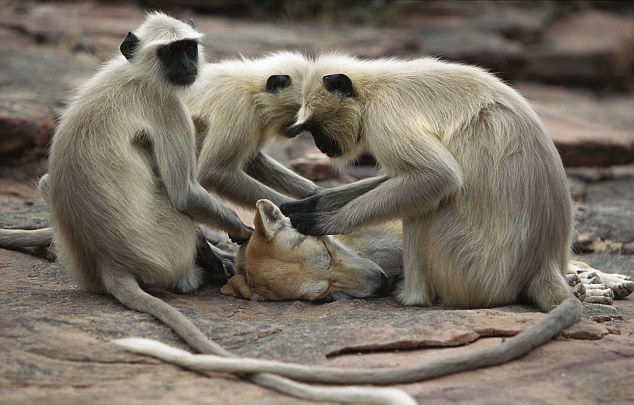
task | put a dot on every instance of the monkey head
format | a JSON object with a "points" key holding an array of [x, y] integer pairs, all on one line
{"points": [[166, 48], [279, 96], [331, 111]]}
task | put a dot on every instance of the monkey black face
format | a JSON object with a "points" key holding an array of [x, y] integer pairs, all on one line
{"points": [[333, 122], [180, 61], [324, 142]]}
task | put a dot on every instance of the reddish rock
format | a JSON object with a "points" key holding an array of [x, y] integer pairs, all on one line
{"points": [[315, 167], [591, 46], [587, 130], [24, 124]]}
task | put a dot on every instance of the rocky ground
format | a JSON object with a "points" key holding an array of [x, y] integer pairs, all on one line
{"points": [[574, 62]]}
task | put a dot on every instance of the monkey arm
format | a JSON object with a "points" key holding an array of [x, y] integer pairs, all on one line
{"points": [[413, 192], [277, 176], [237, 186], [175, 160], [333, 198]]}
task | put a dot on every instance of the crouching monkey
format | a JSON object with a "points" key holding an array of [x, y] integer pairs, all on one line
{"points": [[468, 168]]}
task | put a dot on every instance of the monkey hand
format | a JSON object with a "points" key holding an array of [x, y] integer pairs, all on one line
{"points": [[308, 223], [305, 206], [244, 236]]}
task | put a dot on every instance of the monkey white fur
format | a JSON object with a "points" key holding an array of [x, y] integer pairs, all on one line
{"points": [[124, 197], [469, 168], [239, 107]]}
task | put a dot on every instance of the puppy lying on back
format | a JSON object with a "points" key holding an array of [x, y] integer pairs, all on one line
{"points": [[279, 263]]}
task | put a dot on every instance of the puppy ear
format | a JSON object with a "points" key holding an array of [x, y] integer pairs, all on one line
{"points": [[268, 220], [129, 45], [340, 84]]}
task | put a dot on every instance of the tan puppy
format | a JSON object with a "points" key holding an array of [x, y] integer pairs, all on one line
{"points": [[279, 263]]}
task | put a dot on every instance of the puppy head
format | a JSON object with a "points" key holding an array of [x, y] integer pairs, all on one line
{"points": [[279, 263]]}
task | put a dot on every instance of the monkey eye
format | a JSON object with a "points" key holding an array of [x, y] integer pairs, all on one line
{"points": [[339, 83], [190, 50]]}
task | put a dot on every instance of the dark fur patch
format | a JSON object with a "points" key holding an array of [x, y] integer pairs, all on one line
{"points": [[322, 140], [297, 242], [304, 206], [129, 45], [308, 224]]}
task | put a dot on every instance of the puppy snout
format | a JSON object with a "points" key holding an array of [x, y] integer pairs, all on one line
{"points": [[291, 131], [384, 285]]}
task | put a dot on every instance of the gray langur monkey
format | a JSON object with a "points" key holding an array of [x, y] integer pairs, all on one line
{"points": [[124, 197], [240, 106], [468, 167], [475, 179]]}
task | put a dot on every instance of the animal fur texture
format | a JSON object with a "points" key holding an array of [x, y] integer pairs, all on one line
{"points": [[123, 191], [240, 107], [279, 263], [468, 167]]}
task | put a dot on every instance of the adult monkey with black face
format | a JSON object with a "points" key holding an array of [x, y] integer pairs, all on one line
{"points": [[239, 106], [475, 179], [469, 168], [123, 192]]}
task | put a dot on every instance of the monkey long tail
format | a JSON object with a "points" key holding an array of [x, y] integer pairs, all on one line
{"points": [[25, 238], [125, 288], [548, 327]]}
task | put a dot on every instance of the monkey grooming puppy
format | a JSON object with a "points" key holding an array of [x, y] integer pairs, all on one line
{"points": [[469, 168], [239, 107], [279, 263]]}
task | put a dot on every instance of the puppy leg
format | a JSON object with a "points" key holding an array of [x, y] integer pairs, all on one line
{"points": [[621, 285]]}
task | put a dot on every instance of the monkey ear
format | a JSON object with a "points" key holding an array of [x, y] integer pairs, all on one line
{"points": [[268, 220], [277, 82], [339, 83], [191, 23], [129, 45]]}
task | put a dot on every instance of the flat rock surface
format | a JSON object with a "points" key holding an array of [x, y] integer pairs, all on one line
{"points": [[55, 340]]}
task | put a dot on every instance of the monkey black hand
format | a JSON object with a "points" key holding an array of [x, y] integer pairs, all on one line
{"points": [[307, 223], [305, 206], [240, 240]]}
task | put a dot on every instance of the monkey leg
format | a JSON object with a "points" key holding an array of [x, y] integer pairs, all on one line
{"points": [[415, 288], [189, 281]]}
